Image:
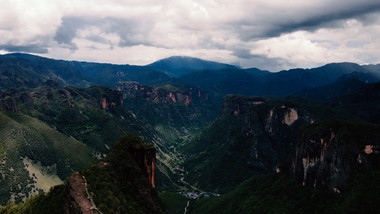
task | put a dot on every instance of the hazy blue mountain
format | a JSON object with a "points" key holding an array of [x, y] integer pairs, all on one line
{"points": [[372, 68], [224, 81], [179, 65], [365, 102], [110, 74], [18, 70], [263, 83], [292, 81], [27, 70], [344, 85]]}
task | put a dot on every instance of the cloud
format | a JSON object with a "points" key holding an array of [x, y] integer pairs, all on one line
{"points": [[130, 32], [325, 14], [244, 53], [67, 31], [263, 62], [274, 34], [24, 48]]}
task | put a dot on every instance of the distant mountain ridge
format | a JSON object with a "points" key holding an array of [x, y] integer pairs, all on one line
{"points": [[17, 70], [180, 65]]}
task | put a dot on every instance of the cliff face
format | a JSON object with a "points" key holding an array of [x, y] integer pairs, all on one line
{"points": [[266, 117], [279, 123], [252, 136], [127, 176], [332, 153], [166, 93], [146, 160]]}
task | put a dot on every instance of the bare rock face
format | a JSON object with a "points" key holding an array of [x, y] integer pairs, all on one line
{"points": [[146, 160], [80, 200], [331, 153], [165, 93], [278, 123]]}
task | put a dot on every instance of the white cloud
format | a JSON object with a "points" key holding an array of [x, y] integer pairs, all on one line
{"points": [[273, 34]]}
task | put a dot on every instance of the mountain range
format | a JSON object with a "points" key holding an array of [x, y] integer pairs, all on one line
{"points": [[205, 129]]}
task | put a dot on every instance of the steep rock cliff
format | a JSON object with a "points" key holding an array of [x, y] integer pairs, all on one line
{"points": [[252, 136], [331, 153], [164, 93], [124, 181]]}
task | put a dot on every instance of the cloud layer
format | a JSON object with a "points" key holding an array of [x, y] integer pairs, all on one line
{"points": [[272, 35]]}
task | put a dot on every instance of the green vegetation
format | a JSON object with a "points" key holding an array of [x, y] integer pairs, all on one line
{"points": [[174, 121], [64, 129], [27, 137], [174, 202], [48, 131], [277, 193], [118, 184], [235, 147], [170, 87]]}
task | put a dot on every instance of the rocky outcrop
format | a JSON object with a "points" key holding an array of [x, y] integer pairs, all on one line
{"points": [[146, 160], [252, 136], [273, 117], [165, 93], [265, 119], [333, 152], [8, 104], [52, 95], [240, 104], [78, 197]]}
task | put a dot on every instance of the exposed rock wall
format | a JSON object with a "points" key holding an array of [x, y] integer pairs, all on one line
{"points": [[77, 196], [146, 160], [168, 94], [252, 136], [264, 120], [331, 153]]}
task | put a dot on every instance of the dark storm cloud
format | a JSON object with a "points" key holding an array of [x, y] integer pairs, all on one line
{"points": [[67, 31], [131, 32], [24, 48], [325, 16], [242, 53]]}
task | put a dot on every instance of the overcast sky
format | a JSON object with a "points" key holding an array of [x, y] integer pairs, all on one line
{"points": [[267, 34]]}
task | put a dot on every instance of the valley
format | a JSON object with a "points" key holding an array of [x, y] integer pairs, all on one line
{"points": [[212, 137]]}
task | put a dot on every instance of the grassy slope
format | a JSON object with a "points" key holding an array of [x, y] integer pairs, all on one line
{"points": [[24, 136]]}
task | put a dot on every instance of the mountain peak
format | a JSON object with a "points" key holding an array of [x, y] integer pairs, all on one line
{"points": [[179, 65]]}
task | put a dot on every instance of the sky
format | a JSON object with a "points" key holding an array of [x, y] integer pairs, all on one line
{"points": [[267, 34]]}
